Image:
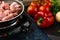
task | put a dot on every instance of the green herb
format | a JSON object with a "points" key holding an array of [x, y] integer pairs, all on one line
{"points": [[55, 6]]}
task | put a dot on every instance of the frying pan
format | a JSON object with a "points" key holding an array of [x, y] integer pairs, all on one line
{"points": [[3, 24]]}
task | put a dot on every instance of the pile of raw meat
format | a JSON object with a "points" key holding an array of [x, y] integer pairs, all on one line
{"points": [[8, 11]]}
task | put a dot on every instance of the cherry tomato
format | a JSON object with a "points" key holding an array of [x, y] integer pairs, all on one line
{"points": [[32, 4], [48, 4], [37, 4], [44, 8], [32, 10]]}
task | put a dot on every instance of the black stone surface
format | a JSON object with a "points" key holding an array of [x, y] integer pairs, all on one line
{"points": [[34, 33]]}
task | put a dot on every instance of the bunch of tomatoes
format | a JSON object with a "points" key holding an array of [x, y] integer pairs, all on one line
{"points": [[40, 11]]}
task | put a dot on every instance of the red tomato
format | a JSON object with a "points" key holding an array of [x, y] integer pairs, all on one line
{"points": [[44, 8], [32, 10], [37, 4], [32, 4], [48, 4]]}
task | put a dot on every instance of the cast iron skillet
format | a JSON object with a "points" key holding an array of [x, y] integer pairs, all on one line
{"points": [[12, 20]]}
